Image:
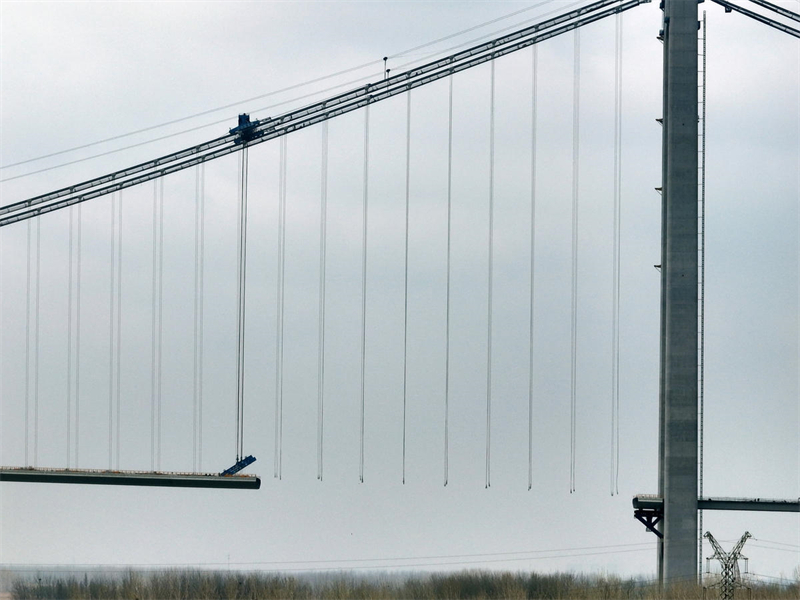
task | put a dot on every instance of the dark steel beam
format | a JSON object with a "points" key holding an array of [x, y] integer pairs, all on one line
{"points": [[749, 504], [729, 6], [656, 503], [137, 478], [778, 9]]}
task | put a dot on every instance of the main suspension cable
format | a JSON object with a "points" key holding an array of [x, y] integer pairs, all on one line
{"points": [[405, 278], [617, 247], [575, 187], [489, 290], [271, 128], [401, 54], [534, 98], [323, 240], [447, 293], [364, 287], [279, 337]]}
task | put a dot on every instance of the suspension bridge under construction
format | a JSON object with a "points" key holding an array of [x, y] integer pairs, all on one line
{"points": [[673, 513]]}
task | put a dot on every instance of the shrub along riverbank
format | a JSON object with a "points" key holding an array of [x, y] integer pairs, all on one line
{"points": [[179, 585]]}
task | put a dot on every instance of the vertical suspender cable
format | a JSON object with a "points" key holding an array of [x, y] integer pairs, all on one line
{"points": [[616, 266], [160, 311], [489, 290], [195, 307], [27, 339], [575, 185], [111, 324], [242, 296], [36, 345], [279, 336], [153, 323], [200, 317], [78, 335], [364, 288], [200, 307], [153, 332], [701, 386], [405, 277], [239, 171], [323, 221], [534, 95], [619, 253], [197, 387], [1, 347], [119, 324], [69, 330], [447, 293], [243, 329]]}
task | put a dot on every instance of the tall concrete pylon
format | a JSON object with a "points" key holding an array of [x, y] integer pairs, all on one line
{"points": [[678, 467]]}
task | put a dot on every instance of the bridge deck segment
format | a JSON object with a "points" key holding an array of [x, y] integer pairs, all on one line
{"points": [[136, 478]]}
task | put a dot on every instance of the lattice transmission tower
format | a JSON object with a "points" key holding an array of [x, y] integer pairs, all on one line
{"points": [[730, 577]]}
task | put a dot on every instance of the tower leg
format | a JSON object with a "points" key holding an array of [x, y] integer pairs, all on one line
{"points": [[679, 264]]}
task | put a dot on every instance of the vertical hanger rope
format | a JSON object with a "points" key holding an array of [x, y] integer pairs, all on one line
{"points": [[491, 278], [534, 78], [323, 220], [447, 293], [405, 278], [364, 289], [575, 189]]}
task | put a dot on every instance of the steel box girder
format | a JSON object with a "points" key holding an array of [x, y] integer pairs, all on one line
{"points": [[134, 478]]}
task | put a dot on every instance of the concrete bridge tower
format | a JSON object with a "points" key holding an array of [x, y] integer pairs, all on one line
{"points": [[678, 419]]}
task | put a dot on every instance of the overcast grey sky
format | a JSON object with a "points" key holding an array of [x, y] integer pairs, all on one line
{"points": [[73, 73]]}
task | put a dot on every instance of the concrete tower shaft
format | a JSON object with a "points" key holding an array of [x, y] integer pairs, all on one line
{"points": [[678, 469]]}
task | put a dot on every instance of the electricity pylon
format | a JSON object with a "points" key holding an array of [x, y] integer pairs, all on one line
{"points": [[730, 578]]}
